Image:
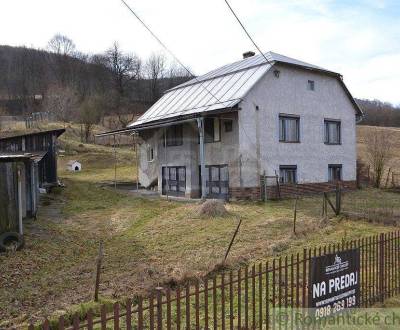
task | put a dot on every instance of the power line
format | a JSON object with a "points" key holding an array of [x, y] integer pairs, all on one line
{"points": [[247, 33], [167, 49], [178, 61]]}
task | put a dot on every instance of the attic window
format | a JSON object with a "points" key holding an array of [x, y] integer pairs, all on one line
{"points": [[311, 85]]}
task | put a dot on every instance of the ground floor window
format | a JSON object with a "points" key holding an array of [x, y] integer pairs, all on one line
{"points": [[174, 180], [334, 172], [288, 174]]}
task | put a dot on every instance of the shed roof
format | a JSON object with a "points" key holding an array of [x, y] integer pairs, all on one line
{"points": [[222, 88], [29, 132]]}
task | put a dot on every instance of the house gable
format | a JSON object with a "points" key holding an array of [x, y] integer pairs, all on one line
{"points": [[288, 94]]}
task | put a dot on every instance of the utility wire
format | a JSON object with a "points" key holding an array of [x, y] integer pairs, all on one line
{"points": [[179, 62], [258, 48], [247, 33], [167, 49]]}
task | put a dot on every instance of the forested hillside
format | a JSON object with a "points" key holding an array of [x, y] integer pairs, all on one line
{"points": [[378, 113], [82, 87], [85, 88]]}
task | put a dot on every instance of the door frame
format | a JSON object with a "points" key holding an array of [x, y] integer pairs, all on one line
{"points": [[178, 183], [219, 183]]}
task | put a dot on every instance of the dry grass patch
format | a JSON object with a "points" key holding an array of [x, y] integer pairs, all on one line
{"points": [[212, 208]]}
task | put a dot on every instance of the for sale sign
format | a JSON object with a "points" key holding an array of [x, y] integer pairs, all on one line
{"points": [[334, 282]]}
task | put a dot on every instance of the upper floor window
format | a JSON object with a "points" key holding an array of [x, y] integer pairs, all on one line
{"points": [[332, 131], [150, 154], [311, 85], [228, 125], [334, 172], [288, 173], [289, 128], [174, 135], [212, 130]]}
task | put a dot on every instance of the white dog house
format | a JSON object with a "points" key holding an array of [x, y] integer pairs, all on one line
{"points": [[74, 166]]}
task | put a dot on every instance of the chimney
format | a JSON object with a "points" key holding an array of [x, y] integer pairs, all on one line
{"points": [[248, 54]]}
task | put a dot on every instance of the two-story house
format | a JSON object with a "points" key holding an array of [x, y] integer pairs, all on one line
{"points": [[217, 134]]}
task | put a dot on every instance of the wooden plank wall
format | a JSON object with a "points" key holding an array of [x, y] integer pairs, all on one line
{"points": [[8, 200]]}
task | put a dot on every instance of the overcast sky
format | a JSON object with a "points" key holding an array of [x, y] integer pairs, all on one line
{"points": [[358, 38]]}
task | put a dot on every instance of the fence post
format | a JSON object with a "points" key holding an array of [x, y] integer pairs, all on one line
{"points": [[159, 308], [338, 194], [381, 272]]}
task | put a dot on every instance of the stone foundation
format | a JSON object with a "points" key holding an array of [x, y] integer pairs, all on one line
{"points": [[287, 190]]}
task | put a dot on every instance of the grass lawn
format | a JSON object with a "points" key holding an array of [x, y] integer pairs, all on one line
{"points": [[149, 242]]}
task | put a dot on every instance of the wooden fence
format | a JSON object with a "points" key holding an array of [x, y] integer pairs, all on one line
{"points": [[246, 298]]}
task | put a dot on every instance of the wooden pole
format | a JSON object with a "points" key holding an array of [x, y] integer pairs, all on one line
{"points": [[337, 194], [387, 177], [98, 270], [115, 165], [233, 238], [295, 214], [278, 185]]}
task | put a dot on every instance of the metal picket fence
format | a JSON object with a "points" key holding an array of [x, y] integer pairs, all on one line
{"points": [[245, 298]]}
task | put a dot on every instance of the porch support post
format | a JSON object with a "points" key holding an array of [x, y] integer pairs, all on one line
{"points": [[19, 180], [200, 126]]}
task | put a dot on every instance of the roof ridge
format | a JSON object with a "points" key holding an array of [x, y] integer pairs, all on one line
{"points": [[248, 63]]}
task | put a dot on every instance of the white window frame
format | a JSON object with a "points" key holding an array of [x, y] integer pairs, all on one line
{"points": [[327, 137], [150, 153], [283, 176], [283, 128]]}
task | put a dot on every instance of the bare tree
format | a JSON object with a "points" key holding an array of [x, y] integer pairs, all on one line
{"points": [[379, 153], [177, 75], [61, 45], [155, 70], [62, 59], [124, 67], [62, 102], [90, 114]]}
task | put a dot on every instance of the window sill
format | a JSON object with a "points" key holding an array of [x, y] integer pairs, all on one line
{"points": [[332, 144], [289, 141], [175, 145]]}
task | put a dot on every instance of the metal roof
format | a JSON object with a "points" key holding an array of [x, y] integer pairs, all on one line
{"points": [[205, 94], [222, 88], [248, 63]]}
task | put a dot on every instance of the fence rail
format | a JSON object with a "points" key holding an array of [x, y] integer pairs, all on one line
{"points": [[245, 298]]}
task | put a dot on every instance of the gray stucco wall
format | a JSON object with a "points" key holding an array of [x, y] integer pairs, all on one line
{"points": [[288, 94], [253, 146], [187, 154]]}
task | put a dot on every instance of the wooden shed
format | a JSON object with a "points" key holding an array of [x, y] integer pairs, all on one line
{"points": [[41, 143], [19, 187]]}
